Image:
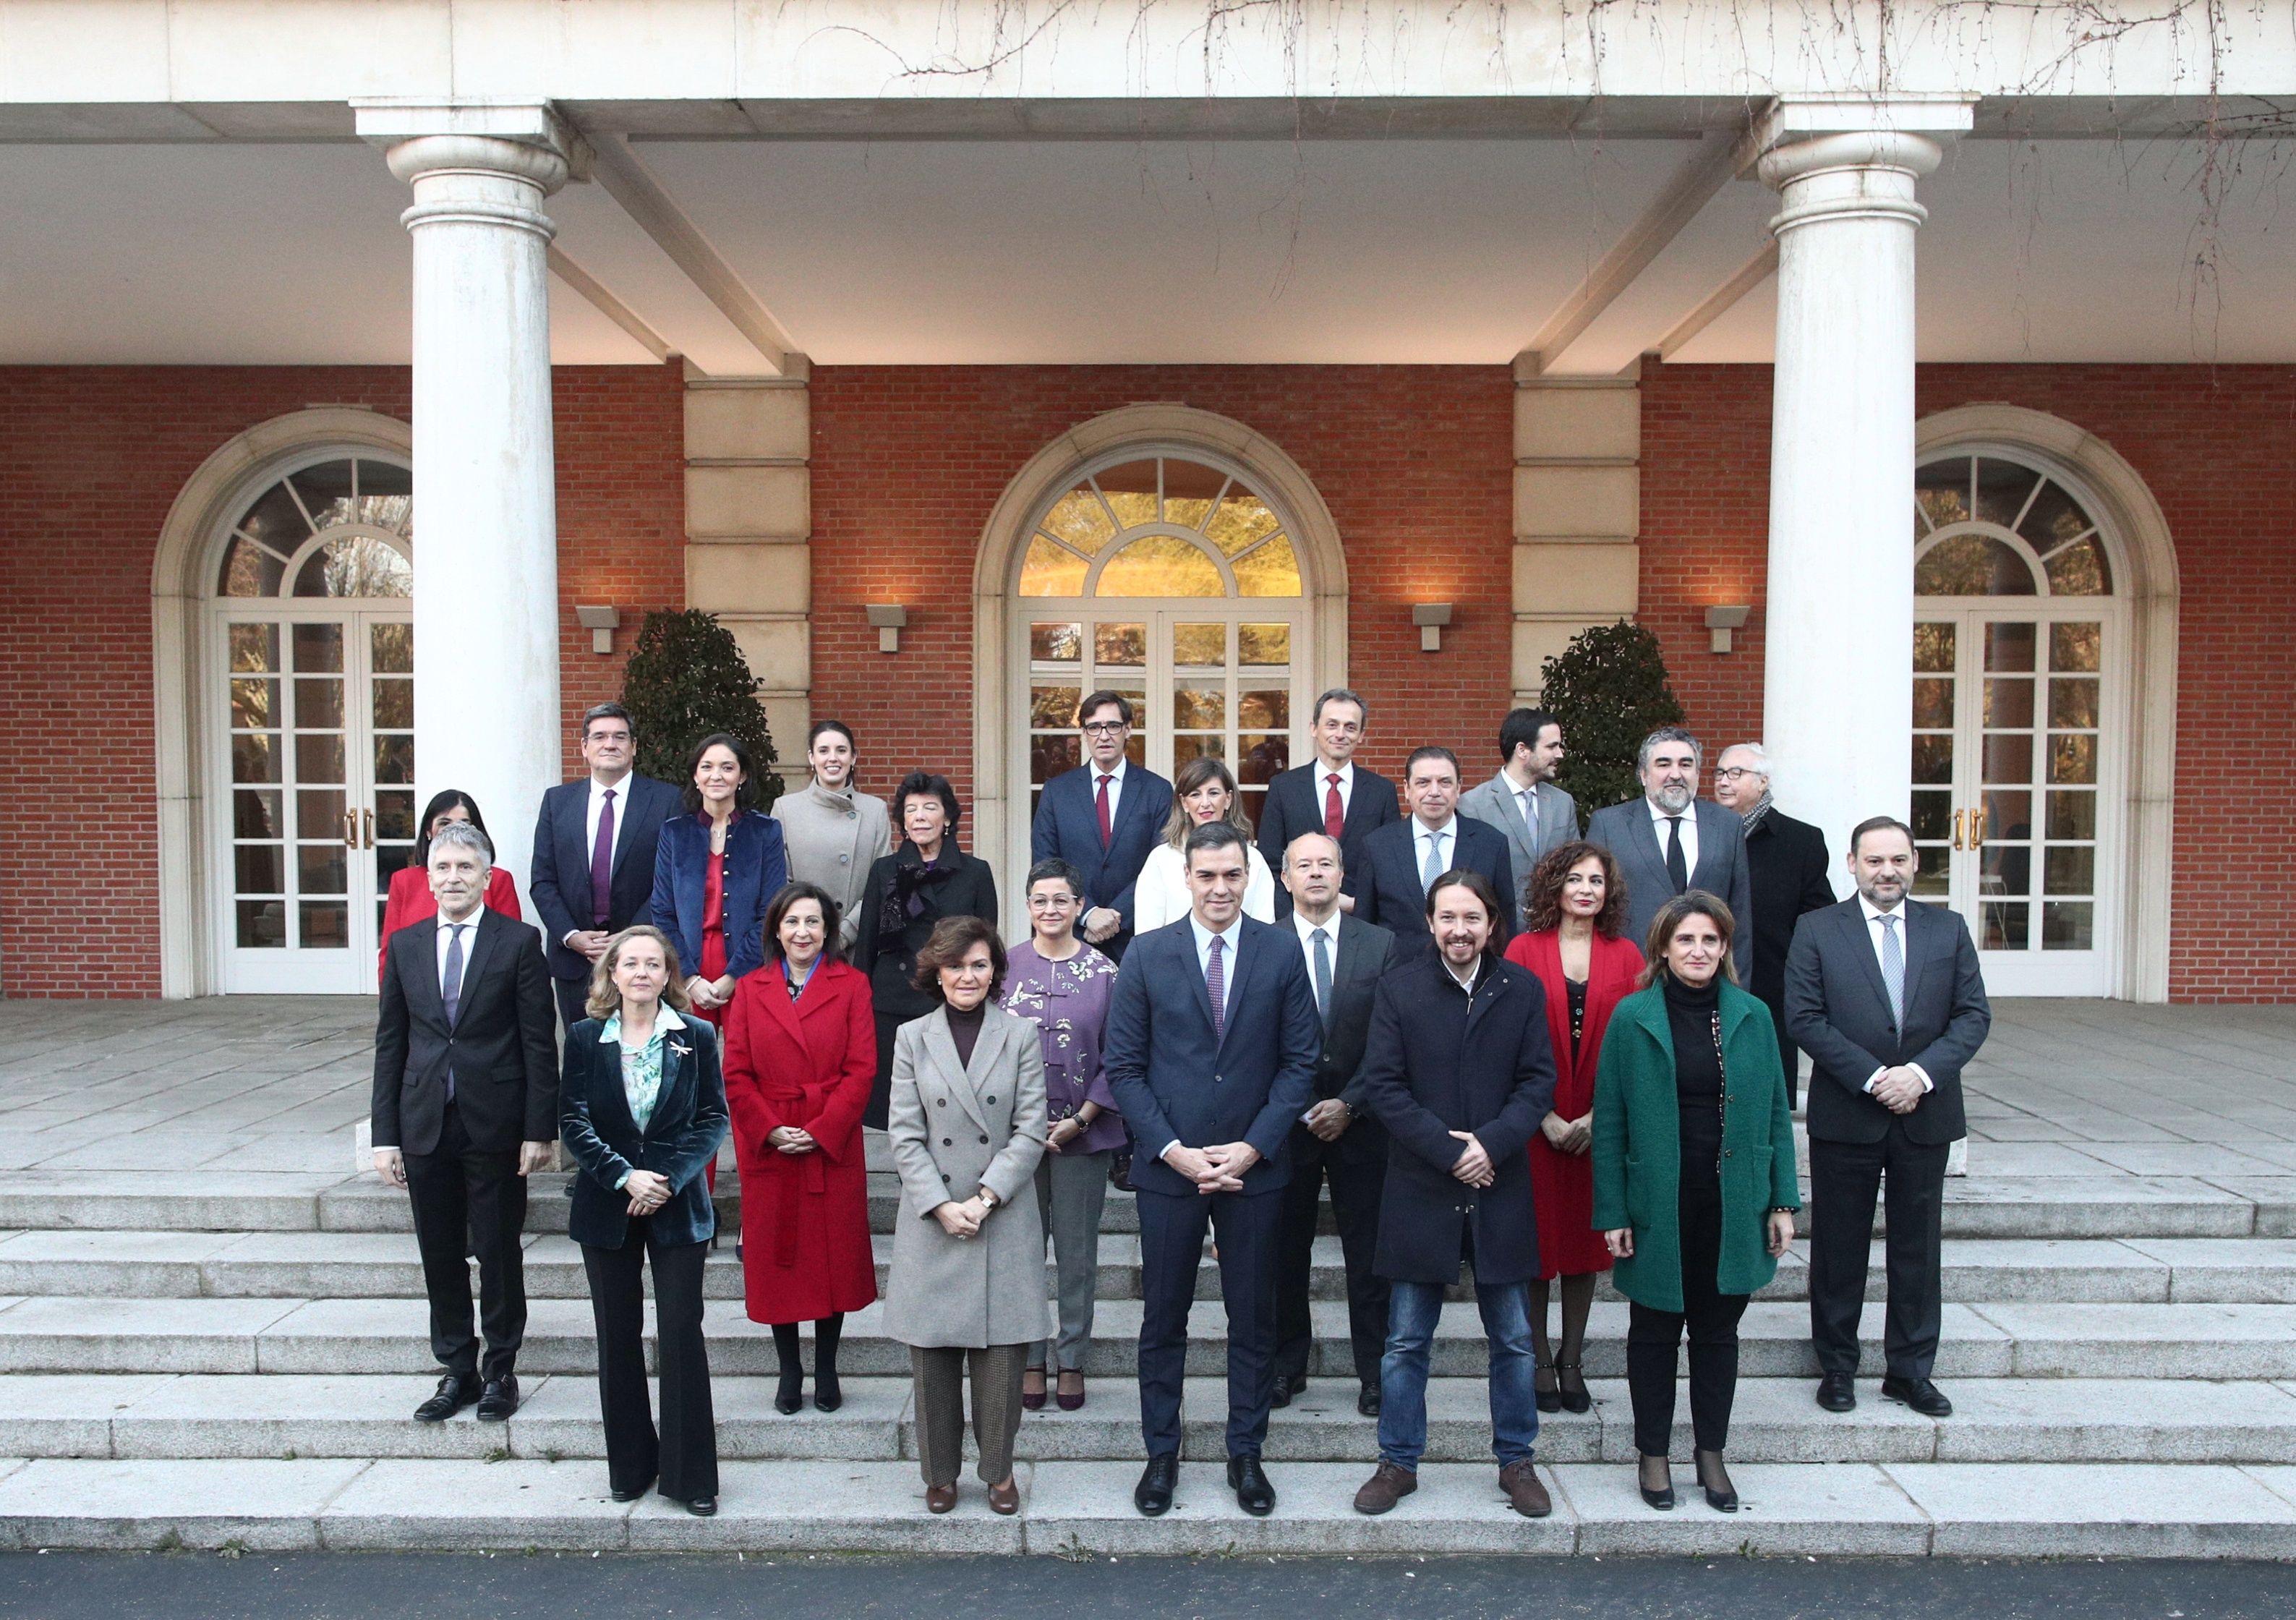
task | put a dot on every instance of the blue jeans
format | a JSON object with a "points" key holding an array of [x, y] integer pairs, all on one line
{"points": [[1413, 1309]]}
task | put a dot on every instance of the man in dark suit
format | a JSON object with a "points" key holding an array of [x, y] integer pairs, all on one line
{"points": [[1335, 1139], [1791, 876], [465, 1107], [594, 850], [1885, 995], [1211, 1049], [1103, 818], [1331, 794], [1670, 841], [1408, 855]]}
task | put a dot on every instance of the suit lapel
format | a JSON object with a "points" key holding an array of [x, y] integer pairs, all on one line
{"points": [[1362, 806], [613, 1097], [1244, 949], [1711, 837], [1193, 972], [1349, 961], [676, 1071], [1861, 943], [1917, 928], [1646, 844], [942, 1046], [787, 1013], [627, 806], [423, 964]]}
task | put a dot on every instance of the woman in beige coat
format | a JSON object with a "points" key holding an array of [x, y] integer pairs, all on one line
{"points": [[967, 1123]]}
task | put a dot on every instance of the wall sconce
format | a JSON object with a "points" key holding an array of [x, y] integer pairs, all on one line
{"points": [[889, 620], [601, 623], [1431, 617], [1720, 622]]}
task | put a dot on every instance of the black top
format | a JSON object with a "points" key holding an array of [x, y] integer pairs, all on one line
{"points": [[893, 929], [965, 1028], [1691, 1016], [1575, 991]]}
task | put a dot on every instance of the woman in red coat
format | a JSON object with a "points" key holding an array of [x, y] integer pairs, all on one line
{"points": [[1574, 907], [410, 900], [801, 1056]]}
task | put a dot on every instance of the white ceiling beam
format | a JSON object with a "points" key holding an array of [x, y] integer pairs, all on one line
{"points": [[620, 173], [1717, 303], [1721, 155], [603, 300]]}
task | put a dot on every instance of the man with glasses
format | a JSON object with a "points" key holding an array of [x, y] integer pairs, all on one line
{"points": [[1790, 874], [1103, 818]]}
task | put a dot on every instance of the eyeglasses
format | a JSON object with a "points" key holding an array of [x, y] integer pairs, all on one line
{"points": [[1103, 728], [1735, 773], [1051, 903]]}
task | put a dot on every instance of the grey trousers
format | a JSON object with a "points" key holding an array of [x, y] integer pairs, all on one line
{"points": [[1070, 1189], [939, 1378]]}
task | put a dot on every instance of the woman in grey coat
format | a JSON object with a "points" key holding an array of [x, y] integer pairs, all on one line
{"points": [[967, 1123]]}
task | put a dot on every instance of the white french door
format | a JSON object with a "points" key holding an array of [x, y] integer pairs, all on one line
{"points": [[2016, 814], [313, 784]]}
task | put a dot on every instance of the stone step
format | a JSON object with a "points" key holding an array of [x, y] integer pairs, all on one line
{"points": [[330, 1265], [60, 1334], [1075, 1509], [190, 1416]]}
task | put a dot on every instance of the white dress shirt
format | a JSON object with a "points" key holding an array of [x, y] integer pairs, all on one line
{"points": [[1444, 838], [1874, 913], [1115, 786], [1658, 820], [1308, 945], [1347, 773], [621, 791], [1204, 937], [469, 927]]}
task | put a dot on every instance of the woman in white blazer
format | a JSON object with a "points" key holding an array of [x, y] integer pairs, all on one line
{"points": [[966, 1119], [1202, 791]]}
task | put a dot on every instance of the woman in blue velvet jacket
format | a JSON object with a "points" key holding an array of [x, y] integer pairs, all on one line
{"points": [[642, 1107], [715, 871]]}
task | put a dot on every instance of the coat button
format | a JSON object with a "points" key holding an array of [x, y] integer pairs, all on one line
{"points": [[984, 1142], [992, 1102], [947, 1143], [1725, 1153], [845, 861], [940, 1102]]}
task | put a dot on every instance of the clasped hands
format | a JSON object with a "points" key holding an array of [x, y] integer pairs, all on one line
{"points": [[1570, 1136], [1474, 1165], [961, 1220], [1899, 1089], [1218, 1168], [649, 1190], [790, 1139]]}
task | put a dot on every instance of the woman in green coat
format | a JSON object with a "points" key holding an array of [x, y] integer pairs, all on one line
{"points": [[1695, 1189]]}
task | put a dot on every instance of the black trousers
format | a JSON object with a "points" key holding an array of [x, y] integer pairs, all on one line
{"points": [[1653, 1337], [1356, 1167], [1843, 1180], [573, 998], [684, 1456], [1171, 1249], [471, 1199]]}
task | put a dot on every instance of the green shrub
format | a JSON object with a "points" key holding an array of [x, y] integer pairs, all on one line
{"points": [[1609, 690], [686, 678]]}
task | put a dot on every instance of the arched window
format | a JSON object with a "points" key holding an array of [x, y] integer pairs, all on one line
{"points": [[1159, 526], [1987, 527], [337, 529]]}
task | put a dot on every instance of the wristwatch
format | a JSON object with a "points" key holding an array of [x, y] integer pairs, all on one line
{"points": [[989, 1197]]}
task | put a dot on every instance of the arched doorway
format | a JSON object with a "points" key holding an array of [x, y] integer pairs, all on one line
{"points": [[2031, 733], [1168, 554]]}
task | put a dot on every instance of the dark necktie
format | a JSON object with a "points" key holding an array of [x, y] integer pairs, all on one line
{"points": [[1216, 988], [1677, 871], [1335, 815], [450, 988], [1100, 797], [602, 864], [1323, 975]]}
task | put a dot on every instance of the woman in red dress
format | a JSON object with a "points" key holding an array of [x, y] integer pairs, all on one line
{"points": [[800, 1056], [1574, 907], [410, 900]]}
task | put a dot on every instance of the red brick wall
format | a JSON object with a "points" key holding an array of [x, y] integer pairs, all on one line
{"points": [[91, 459], [1417, 463], [2217, 446]]}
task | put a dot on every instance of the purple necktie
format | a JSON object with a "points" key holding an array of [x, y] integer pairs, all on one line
{"points": [[601, 863], [1216, 987]]}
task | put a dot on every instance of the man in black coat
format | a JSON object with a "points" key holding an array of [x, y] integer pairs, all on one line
{"points": [[1458, 1066], [465, 1108], [1335, 1139], [1404, 856], [1885, 995], [594, 850], [1786, 861], [1330, 794]]}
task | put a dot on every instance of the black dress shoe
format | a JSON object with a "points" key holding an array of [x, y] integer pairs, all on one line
{"points": [[1253, 1494], [500, 1399], [1660, 1497], [703, 1507], [632, 1495], [1837, 1392], [1923, 1396], [1154, 1494], [1368, 1400], [828, 1394], [454, 1393], [1287, 1386], [1119, 1171]]}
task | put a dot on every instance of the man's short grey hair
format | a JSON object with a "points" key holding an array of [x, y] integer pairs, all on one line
{"points": [[462, 835], [1667, 733], [1758, 758]]}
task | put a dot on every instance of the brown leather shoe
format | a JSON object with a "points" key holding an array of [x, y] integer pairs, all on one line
{"points": [[1524, 1493], [939, 1499], [1385, 1488], [1004, 1498]]}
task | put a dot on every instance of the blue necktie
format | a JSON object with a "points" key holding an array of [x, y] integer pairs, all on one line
{"points": [[1431, 869], [450, 988], [1893, 968], [1323, 975], [1216, 988]]}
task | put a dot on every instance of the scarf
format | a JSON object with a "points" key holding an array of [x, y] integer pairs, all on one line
{"points": [[903, 899], [1753, 817]]}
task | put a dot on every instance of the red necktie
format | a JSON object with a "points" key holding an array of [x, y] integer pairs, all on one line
{"points": [[1334, 816], [1100, 801]]}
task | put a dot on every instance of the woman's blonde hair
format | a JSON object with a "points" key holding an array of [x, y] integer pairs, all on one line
{"points": [[605, 1001], [1191, 777]]}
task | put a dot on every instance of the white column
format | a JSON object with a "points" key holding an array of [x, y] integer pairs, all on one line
{"points": [[1837, 708], [485, 523]]}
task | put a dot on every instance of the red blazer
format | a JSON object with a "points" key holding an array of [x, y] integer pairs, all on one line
{"points": [[411, 901], [1611, 975], [809, 1062]]}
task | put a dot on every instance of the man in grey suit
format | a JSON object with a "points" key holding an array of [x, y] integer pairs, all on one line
{"points": [[1522, 800], [1670, 841], [1885, 996]]}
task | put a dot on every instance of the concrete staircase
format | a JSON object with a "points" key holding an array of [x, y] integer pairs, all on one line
{"points": [[215, 1359]]}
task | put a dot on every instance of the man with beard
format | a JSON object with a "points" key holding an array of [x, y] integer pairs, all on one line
{"points": [[1669, 842], [1885, 996]]}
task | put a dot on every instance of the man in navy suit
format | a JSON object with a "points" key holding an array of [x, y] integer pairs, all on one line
{"points": [[594, 850], [1330, 794], [1103, 818], [1406, 856], [1210, 1048]]}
